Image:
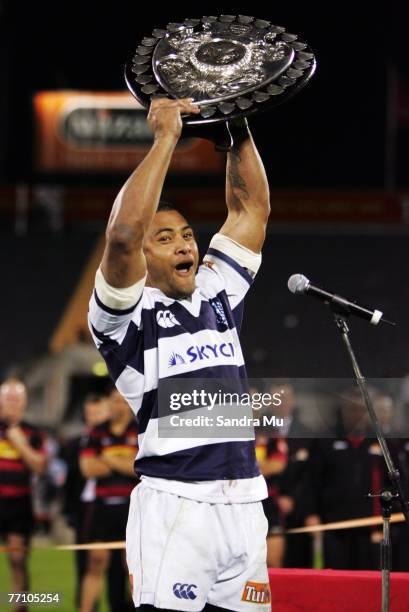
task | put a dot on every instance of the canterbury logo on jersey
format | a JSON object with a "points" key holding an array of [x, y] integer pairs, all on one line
{"points": [[165, 318], [256, 592], [184, 591], [203, 352]]}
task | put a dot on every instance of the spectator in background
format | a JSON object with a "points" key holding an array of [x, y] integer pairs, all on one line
{"points": [[48, 486], [344, 469], [21, 455], [294, 439], [79, 493], [271, 458], [108, 455], [271, 462], [399, 448], [283, 458], [385, 411]]}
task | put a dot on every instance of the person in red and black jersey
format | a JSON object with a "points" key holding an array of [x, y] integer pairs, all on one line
{"points": [[108, 456], [22, 454], [79, 492]]}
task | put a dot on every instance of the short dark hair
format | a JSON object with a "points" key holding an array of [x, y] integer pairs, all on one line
{"points": [[109, 388], [93, 397], [164, 206]]}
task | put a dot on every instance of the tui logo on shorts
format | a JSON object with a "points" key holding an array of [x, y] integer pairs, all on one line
{"points": [[184, 591], [256, 592]]}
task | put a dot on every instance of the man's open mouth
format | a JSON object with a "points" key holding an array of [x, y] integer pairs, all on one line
{"points": [[184, 267]]}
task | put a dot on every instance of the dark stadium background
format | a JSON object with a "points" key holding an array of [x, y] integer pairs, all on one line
{"points": [[331, 142], [331, 136]]}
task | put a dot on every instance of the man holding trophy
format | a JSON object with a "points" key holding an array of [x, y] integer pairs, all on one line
{"points": [[196, 533]]}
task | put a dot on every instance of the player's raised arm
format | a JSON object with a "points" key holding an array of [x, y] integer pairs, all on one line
{"points": [[247, 192], [123, 262]]}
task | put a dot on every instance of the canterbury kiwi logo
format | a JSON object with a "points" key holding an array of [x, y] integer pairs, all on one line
{"points": [[184, 591], [165, 318]]}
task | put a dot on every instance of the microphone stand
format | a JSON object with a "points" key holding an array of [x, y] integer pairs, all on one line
{"points": [[394, 477]]}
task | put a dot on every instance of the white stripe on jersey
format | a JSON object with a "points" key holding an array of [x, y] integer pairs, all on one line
{"points": [[206, 348], [131, 384]]}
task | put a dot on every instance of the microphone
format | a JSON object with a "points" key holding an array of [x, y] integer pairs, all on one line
{"points": [[298, 283]]}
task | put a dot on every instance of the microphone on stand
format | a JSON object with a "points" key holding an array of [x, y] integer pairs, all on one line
{"points": [[298, 283]]}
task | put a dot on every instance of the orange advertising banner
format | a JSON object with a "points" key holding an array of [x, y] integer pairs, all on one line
{"points": [[79, 132]]}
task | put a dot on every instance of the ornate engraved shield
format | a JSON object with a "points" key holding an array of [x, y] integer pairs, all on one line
{"points": [[232, 66]]}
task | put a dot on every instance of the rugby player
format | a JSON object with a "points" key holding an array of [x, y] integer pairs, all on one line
{"points": [[196, 533], [107, 455], [22, 454]]}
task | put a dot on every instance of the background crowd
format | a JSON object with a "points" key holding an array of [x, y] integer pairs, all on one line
{"points": [[84, 483]]}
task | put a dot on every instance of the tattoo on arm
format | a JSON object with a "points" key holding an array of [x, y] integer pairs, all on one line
{"points": [[236, 180], [126, 232], [123, 241]]}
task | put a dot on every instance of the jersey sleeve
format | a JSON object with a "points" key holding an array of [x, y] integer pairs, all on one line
{"points": [[236, 264], [115, 319], [111, 309]]}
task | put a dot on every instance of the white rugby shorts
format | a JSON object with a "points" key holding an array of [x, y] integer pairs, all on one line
{"points": [[183, 553]]}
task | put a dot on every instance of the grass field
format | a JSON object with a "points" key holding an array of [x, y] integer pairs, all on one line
{"points": [[50, 571]]}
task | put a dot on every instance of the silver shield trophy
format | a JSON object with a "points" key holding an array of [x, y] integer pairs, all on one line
{"points": [[232, 66]]}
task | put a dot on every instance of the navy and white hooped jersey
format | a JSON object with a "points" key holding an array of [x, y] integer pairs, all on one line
{"points": [[162, 338]]}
